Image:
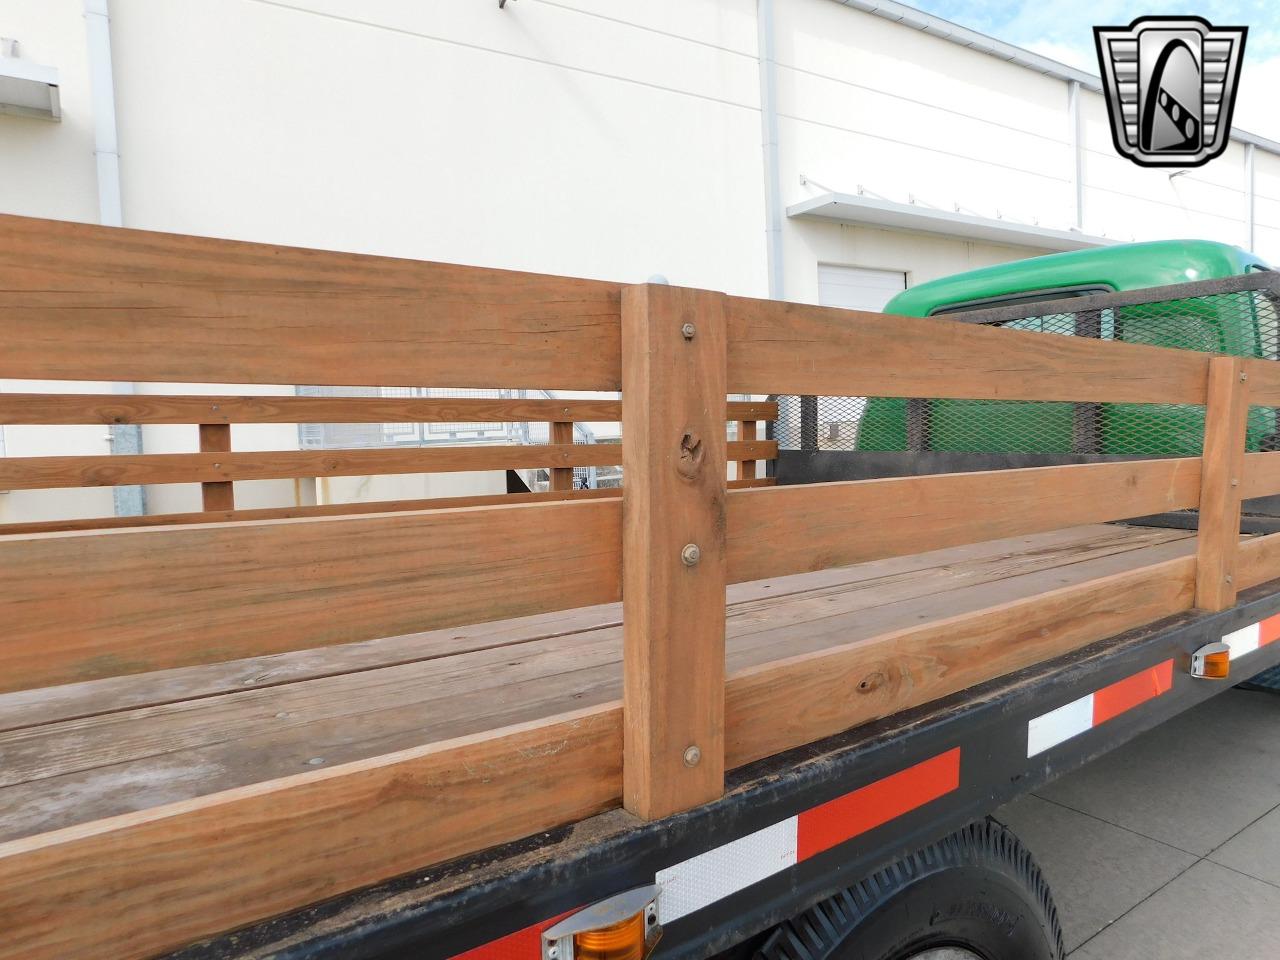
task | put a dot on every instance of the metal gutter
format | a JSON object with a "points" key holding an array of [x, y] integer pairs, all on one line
{"points": [[851, 208], [937, 27]]}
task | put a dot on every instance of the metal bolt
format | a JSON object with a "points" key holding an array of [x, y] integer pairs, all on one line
{"points": [[1244, 377], [692, 756], [315, 761], [1228, 578], [1235, 482], [691, 554], [688, 330]]}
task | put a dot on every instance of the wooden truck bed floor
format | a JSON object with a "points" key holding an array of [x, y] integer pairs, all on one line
{"points": [[80, 752]]}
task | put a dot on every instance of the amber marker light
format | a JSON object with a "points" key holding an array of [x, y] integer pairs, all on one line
{"points": [[1211, 662], [624, 927]]}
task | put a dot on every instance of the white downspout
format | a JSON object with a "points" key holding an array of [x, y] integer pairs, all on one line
{"points": [[102, 86], [130, 501], [1077, 150], [769, 146], [1250, 198]]}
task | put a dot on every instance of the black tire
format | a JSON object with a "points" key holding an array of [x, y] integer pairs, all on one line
{"points": [[977, 889]]}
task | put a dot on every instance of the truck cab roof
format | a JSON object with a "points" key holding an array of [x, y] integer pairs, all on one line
{"points": [[1130, 266]]}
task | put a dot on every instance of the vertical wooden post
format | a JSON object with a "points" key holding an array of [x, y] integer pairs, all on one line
{"points": [[746, 431], [561, 477], [673, 507], [1226, 416], [220, 495]]}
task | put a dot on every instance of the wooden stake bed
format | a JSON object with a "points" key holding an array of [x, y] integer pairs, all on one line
{"points": [[210, 719], [82, 752]]}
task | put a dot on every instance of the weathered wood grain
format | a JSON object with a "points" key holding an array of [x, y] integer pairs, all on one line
{"points": [[796, 348], [79, 606], [1226, 416], [34, 473], [84, 302], [821, 525], [80, 408], [673, 529]]}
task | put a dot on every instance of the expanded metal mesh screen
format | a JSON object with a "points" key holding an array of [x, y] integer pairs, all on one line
{"points": [[1240, 322]]}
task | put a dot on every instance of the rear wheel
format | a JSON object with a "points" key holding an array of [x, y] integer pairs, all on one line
{"points": [[975, 895]]}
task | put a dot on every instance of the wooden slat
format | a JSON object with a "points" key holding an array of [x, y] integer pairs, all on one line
{"points": [[84, 302], [30, 473], [113, 602], [1258, 561], [1222, 465], [803, 349], [1264, 382], [216, 495], [129, 887], [561, 433], [673, 601], [124, 887], [1261, 475], [328, 509], [76, 408], [746, 431], [785, 704], [793, 529]]}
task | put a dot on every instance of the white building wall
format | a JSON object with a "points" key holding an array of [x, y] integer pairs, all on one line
{"points": [[583, 137]]}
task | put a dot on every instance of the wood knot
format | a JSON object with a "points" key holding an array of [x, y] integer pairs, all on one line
{"points": [[871, 682], [692, 453]]}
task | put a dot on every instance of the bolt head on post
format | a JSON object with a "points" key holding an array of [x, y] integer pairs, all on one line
{"points": [[692, 756], [691, 554], [688, 330]]}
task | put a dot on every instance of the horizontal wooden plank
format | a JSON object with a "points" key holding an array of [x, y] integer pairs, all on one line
{"points": [[811, 527], [33, 473], [798, 348], [125, 888], [1264, 382], [1258, 561], [1261, 475], [84, 302], [789, 703], [78, 606], [326, 510], [85, 408]]}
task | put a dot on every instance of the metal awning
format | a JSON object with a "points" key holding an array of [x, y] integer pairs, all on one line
{"points": [[29, 89], [853, 208]]}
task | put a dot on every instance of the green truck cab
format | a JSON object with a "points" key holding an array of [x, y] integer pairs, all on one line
{"points": [[1228, 325]]}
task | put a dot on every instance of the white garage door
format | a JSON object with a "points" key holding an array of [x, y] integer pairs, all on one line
{"points": [[857, 288]]}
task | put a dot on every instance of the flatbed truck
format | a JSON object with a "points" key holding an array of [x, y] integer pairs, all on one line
{"points": [[716, 713]]}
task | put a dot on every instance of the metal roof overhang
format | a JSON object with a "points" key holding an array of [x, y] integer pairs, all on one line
{"points": [[29, 89], [872, 211]]}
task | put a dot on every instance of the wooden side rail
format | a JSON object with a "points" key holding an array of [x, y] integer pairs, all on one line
{"points": [[84, 302], [29, 473], [276, 585], [800, 349], [85, 408]]}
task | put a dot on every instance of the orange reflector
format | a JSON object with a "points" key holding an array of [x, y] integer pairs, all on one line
{"points": [[623, 940], [1217, 666]]}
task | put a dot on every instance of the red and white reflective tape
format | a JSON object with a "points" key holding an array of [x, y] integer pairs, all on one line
{"points": [[1250, 638], [1094, 709], [702, 880]]}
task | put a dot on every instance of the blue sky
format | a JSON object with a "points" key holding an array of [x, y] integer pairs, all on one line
{"points": [[1064, 31]]}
